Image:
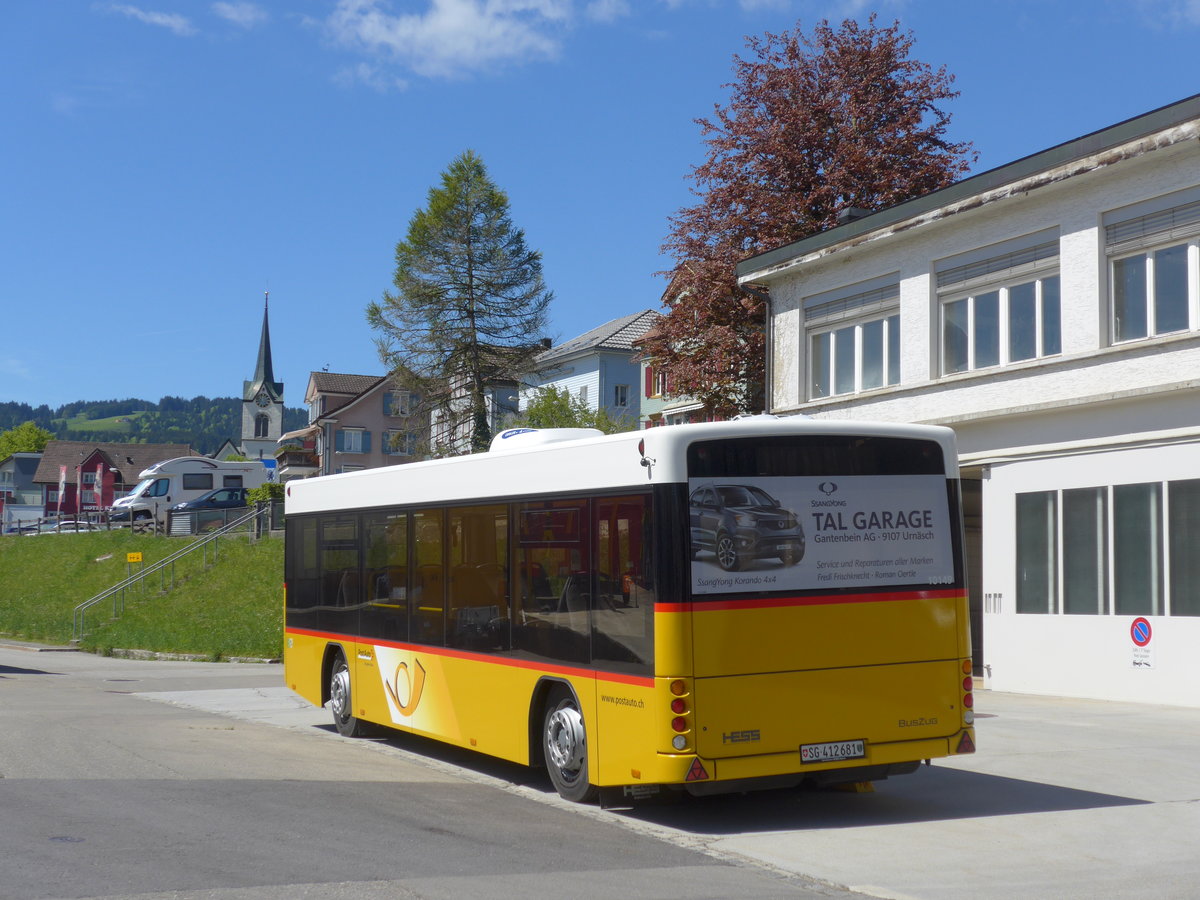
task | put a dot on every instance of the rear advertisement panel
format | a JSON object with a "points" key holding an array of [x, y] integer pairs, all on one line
{"points": [[813, 533]]}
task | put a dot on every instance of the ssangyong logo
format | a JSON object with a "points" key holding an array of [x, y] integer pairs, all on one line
{"points": [[828, 488]]}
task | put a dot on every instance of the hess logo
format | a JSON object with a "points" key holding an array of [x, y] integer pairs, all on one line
{"points": [[740, 737]]}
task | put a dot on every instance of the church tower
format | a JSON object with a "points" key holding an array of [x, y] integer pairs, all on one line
{"points": [[262, 402]]}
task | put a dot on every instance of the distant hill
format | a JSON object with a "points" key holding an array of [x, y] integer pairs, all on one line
{"points": [[203, 422]]}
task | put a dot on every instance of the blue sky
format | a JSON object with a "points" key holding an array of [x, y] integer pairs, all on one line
{"points": [[165, 162]]}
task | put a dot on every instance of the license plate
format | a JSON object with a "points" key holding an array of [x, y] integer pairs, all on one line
{"points": [[832, 751]]}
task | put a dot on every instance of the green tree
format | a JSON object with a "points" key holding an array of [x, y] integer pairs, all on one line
{"points": [[551, 407], [468, 309], [25, 438], [841, 119]]}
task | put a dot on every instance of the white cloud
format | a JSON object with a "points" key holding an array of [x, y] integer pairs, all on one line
{"points": [[370, 75], [244, 15], [17, 368], [607, 10], [173, 22], [453, 37], [1184, 12]]}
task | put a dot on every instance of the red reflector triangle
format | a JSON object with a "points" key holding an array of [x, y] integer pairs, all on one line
{"points": [[697, 772], [965, 744]]}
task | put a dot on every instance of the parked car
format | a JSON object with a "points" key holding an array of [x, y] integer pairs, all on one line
{"points": [[221, 498], [741, 522], [68, 527]]}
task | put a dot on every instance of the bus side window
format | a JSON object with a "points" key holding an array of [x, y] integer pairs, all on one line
{"points": [[386, 576], [623, 598], [478, 603], [553, 566], [427, 602], [340, 573]]}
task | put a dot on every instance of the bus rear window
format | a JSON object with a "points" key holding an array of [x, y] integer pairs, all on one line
{"points": [[824, 454]]}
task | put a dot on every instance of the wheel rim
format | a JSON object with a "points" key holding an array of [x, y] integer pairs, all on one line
{"points": [[339, 692], [565, 743], [726, 552]]}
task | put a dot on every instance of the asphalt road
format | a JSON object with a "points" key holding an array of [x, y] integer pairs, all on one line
{"points": [[182, 780], [123, 778]]}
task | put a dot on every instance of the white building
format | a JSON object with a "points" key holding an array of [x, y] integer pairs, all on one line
{"points": [[1049, 311], [600, 367]]}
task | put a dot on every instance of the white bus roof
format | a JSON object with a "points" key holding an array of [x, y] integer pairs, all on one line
{"points": [[589, 464]]}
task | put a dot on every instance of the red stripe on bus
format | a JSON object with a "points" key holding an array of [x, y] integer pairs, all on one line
{"points": [[820, 600], [451, 653]]}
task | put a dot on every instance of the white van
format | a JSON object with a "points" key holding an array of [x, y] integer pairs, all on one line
{"points": [[175, 480]]}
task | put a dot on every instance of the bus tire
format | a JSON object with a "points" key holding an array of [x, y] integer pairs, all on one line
{"points": [[564, 745], [727, 552], [341, 700]]}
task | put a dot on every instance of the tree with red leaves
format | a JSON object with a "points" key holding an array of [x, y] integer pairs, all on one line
{"points": [[816, 124]]}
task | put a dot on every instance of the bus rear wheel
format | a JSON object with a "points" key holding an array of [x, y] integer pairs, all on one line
{"points": [[341, 700], [564, 744]]}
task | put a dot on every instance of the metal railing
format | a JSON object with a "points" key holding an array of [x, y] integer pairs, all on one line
{"points": [[256, 523]]}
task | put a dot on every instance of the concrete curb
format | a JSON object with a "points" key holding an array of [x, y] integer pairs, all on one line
{"points": [[185, 657]]}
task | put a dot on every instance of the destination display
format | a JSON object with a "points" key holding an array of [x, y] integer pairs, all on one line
{"points": [[796, 533]]}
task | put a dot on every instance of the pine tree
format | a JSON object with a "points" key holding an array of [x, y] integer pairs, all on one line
{"points": [[468, 309]]}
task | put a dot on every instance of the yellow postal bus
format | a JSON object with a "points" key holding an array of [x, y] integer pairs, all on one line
{"points": [[711, 607]]}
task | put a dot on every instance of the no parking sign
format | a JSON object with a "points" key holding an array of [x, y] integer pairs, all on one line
{"points": [[1140, 633]]}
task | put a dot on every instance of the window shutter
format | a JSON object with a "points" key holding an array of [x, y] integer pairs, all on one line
{"points": [[339, 443], [387, 403], [649, 381], [366, 442], [1177, 223]]}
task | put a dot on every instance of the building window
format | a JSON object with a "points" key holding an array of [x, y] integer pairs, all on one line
{"points": [[1085, 551], [1126, 550], [352, 440], [1150, 293], [1154, 257], [1037, 552], [1002, 326], [262, 426], [621, 395], [583, 394], [857, 357], [398, 403], [1000, 304], [853, 338], [399, 443], [1137, 549]]}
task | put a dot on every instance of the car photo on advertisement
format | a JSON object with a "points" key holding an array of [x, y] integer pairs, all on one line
{"points": [[740, 523]]}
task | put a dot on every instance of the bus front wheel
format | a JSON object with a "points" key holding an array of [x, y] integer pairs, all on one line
{"points": [[564, 744], [341, 700]]}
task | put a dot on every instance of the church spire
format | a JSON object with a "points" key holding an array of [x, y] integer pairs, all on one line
{"points": [[263, 373]]}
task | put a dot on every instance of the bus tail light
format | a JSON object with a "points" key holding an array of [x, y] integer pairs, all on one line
{"points": [[681, 713], [968, 699]]}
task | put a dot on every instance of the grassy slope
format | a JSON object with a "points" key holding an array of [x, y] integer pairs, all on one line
{"points": [[118, 425], [230, 608]]}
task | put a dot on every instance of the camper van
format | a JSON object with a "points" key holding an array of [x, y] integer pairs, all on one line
{"points": [[173, 481]]}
